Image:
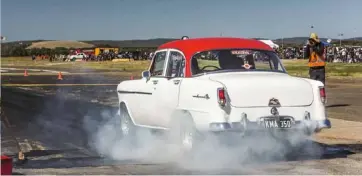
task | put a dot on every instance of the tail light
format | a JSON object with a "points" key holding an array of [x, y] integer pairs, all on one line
{"points": [[221, 97], [322, 94]]}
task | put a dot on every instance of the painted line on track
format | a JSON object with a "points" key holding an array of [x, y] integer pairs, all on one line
{"points": [[342, 85], [36, 70], [53, 85], [41, 74], [51, 74]]}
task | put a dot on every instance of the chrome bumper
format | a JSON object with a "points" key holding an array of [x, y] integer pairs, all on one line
{"points": [[307, 126]]}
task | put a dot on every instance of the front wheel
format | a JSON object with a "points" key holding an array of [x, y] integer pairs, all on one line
{"points": [[127, 128]]}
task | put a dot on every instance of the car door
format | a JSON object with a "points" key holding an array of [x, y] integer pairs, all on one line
{"points": [[147, 105], [167, 87]]}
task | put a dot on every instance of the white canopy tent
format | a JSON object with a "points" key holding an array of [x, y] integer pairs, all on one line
{"points": [[270, 43]]}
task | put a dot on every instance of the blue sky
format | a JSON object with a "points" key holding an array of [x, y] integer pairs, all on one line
{"points": [[144, 19]]}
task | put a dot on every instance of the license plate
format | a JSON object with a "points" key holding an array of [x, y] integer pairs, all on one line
{"points": [[274, 123]]}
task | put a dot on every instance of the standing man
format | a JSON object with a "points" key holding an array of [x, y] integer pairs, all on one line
{"points": [[316, 53]]}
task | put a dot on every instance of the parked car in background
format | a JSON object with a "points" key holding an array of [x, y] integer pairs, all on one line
{"points": [[74, 57]]}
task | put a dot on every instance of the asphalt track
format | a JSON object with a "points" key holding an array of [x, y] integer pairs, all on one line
{"points": [[56, 125]]}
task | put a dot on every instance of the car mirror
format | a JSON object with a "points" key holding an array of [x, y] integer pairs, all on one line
{"points": [[146, 74]]}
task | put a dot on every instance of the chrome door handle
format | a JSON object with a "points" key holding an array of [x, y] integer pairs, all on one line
{"points": [[155, 81], [176, 82]]}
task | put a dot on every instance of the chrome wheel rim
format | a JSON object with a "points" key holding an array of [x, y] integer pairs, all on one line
{"points": [[125, 125], [187, 140]]}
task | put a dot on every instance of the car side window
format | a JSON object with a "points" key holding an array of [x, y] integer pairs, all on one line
{"points": [[176, 65], [158, 64]]}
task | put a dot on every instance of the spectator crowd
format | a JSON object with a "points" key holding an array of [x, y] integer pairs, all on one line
{"points": [[344, 54]]}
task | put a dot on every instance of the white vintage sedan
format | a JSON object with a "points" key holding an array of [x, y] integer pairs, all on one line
{"points": [[220, 85]]}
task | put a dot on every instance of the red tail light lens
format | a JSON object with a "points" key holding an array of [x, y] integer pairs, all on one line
{"points": [[221, 97], [322, 94]]}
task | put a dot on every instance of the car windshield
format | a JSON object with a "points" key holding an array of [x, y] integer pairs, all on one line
{"points": [[235, 60]]}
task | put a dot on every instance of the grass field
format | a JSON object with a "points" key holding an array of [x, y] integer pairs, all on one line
{"points": [[300, 68], [294, 67], [128, 66]]}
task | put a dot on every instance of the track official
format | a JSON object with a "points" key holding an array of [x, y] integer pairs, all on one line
{"points": [[316, 52]]}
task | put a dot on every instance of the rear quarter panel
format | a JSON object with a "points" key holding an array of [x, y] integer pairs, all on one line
{"points": [[318, 108], [203, 111]]}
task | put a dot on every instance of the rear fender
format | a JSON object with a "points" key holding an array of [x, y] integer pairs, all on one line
{"points": [[315, 84], [319, 110], [182, 114], [193, 93], [199, 97]]}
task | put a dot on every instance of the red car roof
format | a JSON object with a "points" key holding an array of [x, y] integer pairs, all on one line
{"points": [[191, 46]]}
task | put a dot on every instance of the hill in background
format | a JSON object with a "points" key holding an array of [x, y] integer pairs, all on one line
{"points": [[150, 43], [62, 44]]}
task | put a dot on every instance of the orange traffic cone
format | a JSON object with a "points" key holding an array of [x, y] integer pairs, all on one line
{"points": [[26, 73], [60, 77]]}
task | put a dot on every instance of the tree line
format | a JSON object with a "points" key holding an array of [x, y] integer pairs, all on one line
{"points": [[19, 50], [15, 49]]}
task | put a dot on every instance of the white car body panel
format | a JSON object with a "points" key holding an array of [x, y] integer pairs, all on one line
{"points": [[137, 100], [165, 99], [201, 109], [254, 89]]}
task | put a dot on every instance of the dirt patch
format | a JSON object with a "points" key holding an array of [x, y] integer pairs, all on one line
{"points": [[344, 99], [344, 108], [342, 131]]}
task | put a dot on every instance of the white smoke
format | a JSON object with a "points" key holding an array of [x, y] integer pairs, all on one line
{"points": [[101, 131], [215, 153], [106, 139]]}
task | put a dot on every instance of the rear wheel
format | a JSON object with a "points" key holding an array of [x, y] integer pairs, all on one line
{"points": [[183, 134]]}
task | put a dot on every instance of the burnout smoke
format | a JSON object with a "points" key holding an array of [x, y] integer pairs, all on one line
{"points": [[215, 153], [97, 127], [105, 138], [60, 115]]}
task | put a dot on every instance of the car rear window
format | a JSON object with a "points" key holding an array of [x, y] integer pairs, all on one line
{"points": [[235, 60]]}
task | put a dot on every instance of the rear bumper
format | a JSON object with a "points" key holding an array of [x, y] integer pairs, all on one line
{"points": [[306, 126]]}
